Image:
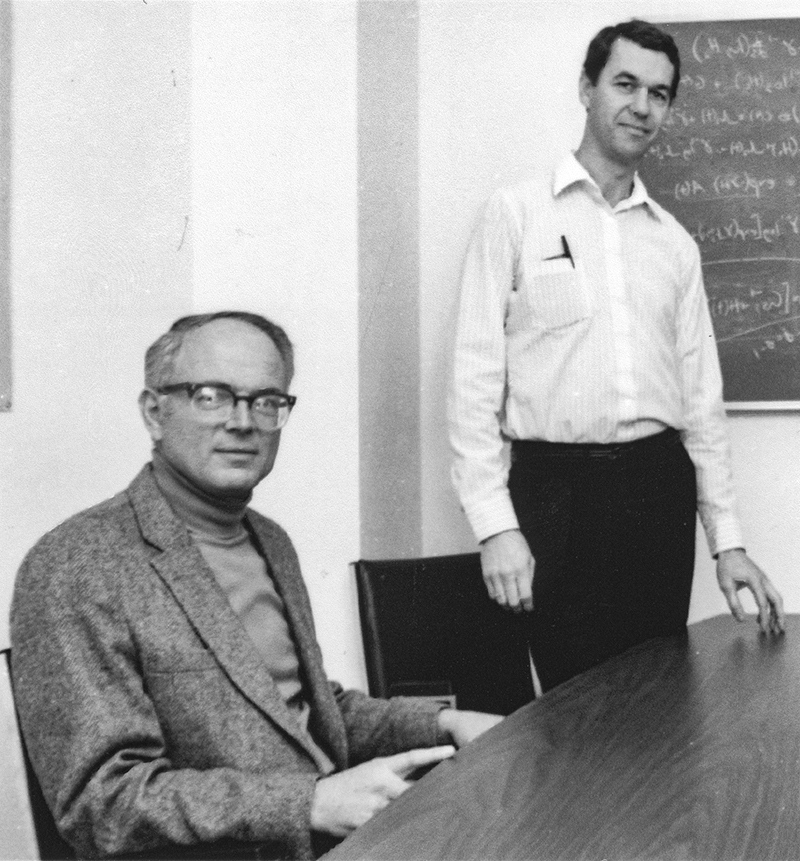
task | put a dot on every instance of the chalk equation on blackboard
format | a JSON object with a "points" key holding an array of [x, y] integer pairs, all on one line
{"points": [[730, 118], [757, 311], [698, 148], [747, 82], [755, 228], [727, 166], [744, 186], [750, 44]]}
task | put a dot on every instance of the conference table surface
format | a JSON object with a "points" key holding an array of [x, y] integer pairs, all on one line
{"points": [[685, 747]]}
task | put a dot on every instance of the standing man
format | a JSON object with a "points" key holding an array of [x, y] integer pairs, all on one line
{"points": [[169, 684], [585, 340]]}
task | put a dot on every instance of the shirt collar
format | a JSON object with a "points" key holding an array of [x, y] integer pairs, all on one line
{"points": [[570, 172]]}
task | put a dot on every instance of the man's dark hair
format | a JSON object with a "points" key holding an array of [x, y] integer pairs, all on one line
{"points": [[643, 34], [160, 357]]}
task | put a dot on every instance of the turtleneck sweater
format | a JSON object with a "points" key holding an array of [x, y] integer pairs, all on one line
{"points": [[217, 527]]}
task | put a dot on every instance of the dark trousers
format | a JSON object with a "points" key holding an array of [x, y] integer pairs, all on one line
{"points": [[612, 531]]}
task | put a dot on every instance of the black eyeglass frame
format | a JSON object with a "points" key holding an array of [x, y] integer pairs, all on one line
{"points": [[191, 390]]}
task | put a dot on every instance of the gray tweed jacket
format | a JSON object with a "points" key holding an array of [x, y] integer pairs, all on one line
{"points": [[150, 719]]}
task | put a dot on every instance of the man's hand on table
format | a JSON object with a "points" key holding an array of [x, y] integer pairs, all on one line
{"points": [[507, 566], [735, 571], [464, 726], [344, 801]]}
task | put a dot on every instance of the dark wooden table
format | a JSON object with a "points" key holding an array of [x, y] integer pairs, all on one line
{"points": [[682, 748]]}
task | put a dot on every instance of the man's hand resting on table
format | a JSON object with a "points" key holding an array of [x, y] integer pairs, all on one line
{"points": [[344, 801], [350, 798], [464, 726], [735, 571]]}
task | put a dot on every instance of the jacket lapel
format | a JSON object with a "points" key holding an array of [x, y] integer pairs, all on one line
{"points": [[182, 568], [325, 715]]}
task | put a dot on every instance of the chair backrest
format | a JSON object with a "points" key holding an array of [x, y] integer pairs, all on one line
{"points": [[429, 628], [27, 829]]}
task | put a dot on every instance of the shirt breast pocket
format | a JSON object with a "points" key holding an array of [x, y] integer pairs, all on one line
{"points": [[551, 295]]}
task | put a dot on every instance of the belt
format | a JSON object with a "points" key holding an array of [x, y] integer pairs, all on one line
{"points": [[524, 448]]}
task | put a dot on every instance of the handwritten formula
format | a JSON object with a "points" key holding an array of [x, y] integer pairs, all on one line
{"points": [[727, 165]]}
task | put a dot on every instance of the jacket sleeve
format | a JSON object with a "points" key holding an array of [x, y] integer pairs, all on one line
{"points": [[377, 727], [92, 729]]}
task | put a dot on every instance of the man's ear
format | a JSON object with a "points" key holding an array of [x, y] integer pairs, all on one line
{"points": [[152, 412], [585, 90]]}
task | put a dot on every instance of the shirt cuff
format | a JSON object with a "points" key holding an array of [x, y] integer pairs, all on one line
{"points": [[726, 535], [492, 516]]}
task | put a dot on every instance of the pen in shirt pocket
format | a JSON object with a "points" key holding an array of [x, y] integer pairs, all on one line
{"points": [[566, 254]]}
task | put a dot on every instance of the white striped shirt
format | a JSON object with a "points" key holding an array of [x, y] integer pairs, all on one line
{"points": [[611, 345]]}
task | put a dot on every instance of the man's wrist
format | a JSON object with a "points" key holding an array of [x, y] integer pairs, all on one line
{"points": [[496, 534], [728, 550]]}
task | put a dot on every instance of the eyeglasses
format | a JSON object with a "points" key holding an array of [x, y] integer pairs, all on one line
{"points": [[270, 409]]}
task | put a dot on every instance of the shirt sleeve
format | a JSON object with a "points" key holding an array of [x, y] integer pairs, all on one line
{"points": [[478, 382], [706, 436]]}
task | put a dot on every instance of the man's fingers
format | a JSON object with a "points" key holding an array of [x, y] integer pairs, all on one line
{"points": [[771, 617], [403, 764], [730, 590], [496, 589], [764, 611], [732, 597], [777, 615], [526, 588], [769, 604], [519, 594], [512, 593], [754, 585], [393, 788]]}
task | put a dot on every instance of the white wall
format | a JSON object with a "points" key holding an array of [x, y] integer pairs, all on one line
{"points": [[99, 195], [274, 225], [498, 97], [173, 157]]}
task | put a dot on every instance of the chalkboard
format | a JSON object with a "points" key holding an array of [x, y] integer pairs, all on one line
{"points": [[727, 166]]}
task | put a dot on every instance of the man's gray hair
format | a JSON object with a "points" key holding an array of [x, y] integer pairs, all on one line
{"points": [[159, 361]]}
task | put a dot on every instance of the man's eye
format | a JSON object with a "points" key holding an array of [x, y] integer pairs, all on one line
{"points": [[269, 404], [627, 86], [659, 97], [208, 397]]}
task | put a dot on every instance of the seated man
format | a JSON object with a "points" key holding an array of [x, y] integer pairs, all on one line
{"points": [[169, 684]]}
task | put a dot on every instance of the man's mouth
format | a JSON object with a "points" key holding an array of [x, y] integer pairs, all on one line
{"points": [[638, 130]]}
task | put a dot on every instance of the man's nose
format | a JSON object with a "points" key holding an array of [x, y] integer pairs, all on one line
{"points": [[641, 101], [240, 417]]}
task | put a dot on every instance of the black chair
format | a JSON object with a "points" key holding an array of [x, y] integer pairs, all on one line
{"points": [[430, 629]]}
